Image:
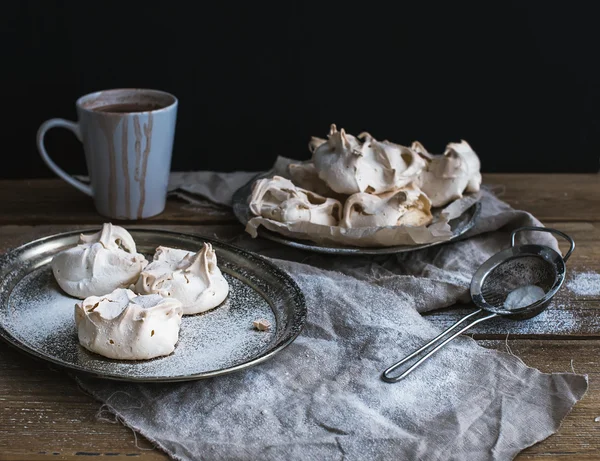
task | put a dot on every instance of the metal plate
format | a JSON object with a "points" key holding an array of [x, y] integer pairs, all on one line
{"points": [[241, 210], [37, 317]]}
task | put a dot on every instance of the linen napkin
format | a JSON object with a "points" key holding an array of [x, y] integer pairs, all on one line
{"points": [[322, 397]]}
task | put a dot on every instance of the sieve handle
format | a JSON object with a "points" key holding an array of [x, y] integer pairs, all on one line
{"points": [[549, 230], [386, 376]]}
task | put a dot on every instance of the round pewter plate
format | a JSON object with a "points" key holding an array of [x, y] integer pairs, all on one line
{"points": [[459, 226], [37, 317]]}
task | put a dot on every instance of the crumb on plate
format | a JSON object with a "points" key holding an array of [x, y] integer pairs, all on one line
{"points": [[261, 324]]}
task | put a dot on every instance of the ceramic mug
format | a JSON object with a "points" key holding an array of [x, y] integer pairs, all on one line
{"points": [[127, 137]]}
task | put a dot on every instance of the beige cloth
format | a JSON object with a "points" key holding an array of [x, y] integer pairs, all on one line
{"points": [[322, 397]]}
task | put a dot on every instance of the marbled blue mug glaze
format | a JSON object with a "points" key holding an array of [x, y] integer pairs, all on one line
{"points": [[128, 152]]}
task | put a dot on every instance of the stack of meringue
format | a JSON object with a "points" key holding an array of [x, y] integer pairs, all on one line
{"points": [[362, 183], [104, 268]]}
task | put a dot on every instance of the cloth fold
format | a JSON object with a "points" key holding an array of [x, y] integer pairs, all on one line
{"points": [[322, 397]]}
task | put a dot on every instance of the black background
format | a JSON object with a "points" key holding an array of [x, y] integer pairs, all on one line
{"points": [[520, 81]]}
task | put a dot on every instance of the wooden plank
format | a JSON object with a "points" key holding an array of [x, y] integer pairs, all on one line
{"points": [[550, 197], [53, 201], [557, 197], [43, 412]]}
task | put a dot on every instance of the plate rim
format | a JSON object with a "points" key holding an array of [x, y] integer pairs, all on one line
{"points": [[347, 250], [9, 339]]}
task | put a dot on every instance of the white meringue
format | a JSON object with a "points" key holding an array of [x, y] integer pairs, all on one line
{"points": [[349, 165], [124, 326], [279, 199], [305, 175], [448, 176], [100, 263], [314, 143], [405, 207], [192, 278], [417, 147]]}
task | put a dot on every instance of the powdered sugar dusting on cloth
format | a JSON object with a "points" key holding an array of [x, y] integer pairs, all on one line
{"points": [[322, 397], [585, 284]]}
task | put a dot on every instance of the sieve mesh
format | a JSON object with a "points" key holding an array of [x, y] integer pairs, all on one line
{"points": [[515, 273]]}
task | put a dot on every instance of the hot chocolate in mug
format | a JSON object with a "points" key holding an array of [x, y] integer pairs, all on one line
{"points": [[127, 137]]}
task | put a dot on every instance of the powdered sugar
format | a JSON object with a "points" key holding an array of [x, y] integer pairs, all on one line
{"points": [[585, 284], [148, 301], [39, 318], [558, 319], [523, 296]]}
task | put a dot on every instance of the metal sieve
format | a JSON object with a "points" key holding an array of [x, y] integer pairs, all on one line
{"points": [[515, 267]]}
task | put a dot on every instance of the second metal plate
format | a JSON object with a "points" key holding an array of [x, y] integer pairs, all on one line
{"points": [[459, 226]]}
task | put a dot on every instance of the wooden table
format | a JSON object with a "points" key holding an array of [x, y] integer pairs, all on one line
{"points": [[43, 415]]}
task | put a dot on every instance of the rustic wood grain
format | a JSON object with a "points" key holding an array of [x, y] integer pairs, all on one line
{"points": [[43, 412], [44, 201], [43, 415], [550, 197]]}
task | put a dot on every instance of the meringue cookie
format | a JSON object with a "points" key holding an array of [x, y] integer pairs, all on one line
{"points": [[349, 165], [450, 175], [314, 143], [405, 207], [100, 263], [417, 147], [124, 326], [192, 278], [279, 199], [305, 175]]}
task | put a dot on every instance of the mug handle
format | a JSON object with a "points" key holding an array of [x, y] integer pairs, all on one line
{"points": [[74, 127]]}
